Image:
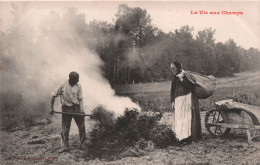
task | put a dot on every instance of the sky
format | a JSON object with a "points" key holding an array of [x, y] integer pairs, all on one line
{"points": [[168, 16]]}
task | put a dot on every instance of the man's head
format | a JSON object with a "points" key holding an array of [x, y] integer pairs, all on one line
{"points": [[176, 68], [73, 78]]}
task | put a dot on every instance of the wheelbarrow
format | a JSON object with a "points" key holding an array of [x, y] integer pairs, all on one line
{"points": [[228, 115]]}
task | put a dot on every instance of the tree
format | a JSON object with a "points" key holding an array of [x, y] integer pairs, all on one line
{"points": [[135, 24], [232, 53], [206, 36], [206, 44], [101, 38], [249, 59], [224, 61], [183, 46]]}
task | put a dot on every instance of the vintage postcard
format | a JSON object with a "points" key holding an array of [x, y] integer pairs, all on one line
{"points": [[130, 82]]}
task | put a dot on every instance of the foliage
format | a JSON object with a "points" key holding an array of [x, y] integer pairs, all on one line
{"points": [[247, 98], [163, 136], [105, 117], [130, 127], [133, 50], [126, 132]]}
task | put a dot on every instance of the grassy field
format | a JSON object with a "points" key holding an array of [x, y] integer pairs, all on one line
{"points": [[160, 101], [243, 87]]}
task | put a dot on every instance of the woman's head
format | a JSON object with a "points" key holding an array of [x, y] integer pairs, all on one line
{"points": [[176, 67]]}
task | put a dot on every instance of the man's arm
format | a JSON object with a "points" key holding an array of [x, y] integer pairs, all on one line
{"points": [[54, 94], [80, 98], [52, 104], [81, 106]]}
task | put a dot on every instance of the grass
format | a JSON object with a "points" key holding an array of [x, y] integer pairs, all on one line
{"points": [[17, 113], [245, 79], [243, 87], [160, 101]]}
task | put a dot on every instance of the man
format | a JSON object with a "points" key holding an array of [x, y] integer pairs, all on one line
{"points": [[187, 125], [70, 94]]}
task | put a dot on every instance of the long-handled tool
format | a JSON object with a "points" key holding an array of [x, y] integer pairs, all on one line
{"points": [[79, 114]]}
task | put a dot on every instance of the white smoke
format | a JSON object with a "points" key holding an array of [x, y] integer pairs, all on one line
{"points": [[46, 50]]}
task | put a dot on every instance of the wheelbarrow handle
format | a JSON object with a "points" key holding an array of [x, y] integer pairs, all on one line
{"points": [[79, 114]]}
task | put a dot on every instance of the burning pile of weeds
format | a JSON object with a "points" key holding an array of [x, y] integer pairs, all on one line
{"points": [[113, 136], [104, 117]]}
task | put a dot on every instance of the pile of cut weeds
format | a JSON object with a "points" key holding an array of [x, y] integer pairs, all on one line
{"points": [[134, 131]]}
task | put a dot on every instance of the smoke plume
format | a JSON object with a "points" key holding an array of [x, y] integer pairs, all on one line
{"points": [[40, 51]]}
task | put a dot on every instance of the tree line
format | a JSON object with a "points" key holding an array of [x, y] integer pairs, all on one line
{"points": [[134, 50]]}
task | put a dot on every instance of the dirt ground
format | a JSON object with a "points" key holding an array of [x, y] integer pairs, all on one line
{"points": [[40, 145]]}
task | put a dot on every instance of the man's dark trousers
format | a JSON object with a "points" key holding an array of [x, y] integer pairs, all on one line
{"points": [[66, 122]]}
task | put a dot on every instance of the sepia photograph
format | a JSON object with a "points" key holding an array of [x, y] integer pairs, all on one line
{"points": [[130, 82]]}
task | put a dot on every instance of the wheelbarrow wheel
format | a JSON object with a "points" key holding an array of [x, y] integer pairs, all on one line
{"points": [[216, 116]]}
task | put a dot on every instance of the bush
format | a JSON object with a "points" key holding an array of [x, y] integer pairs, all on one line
{"points": [[247, 98], [163, 136], [127, 131]]}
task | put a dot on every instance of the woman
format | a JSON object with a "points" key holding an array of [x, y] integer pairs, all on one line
{"points": [[187, 124]]}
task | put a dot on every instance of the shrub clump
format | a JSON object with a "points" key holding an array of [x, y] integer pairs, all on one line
{"points": [[163, 136], [247, 98], [108, 141]]}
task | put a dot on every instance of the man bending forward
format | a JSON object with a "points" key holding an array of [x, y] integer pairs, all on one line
{"points": [[70, 93]]}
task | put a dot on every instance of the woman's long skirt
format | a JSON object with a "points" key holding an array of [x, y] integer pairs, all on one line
{"points": [[187, 117]]}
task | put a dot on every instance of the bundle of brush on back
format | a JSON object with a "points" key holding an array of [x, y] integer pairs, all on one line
{"points": [[204, 85]]}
